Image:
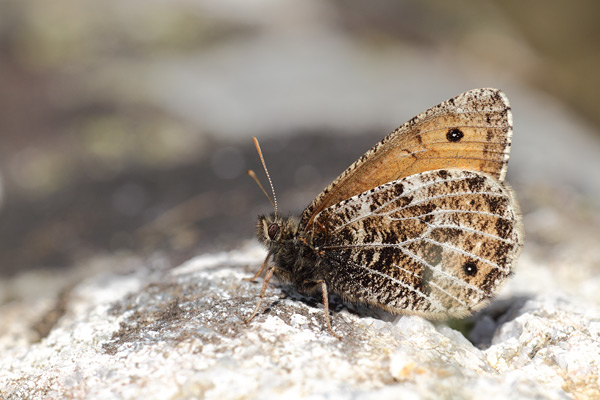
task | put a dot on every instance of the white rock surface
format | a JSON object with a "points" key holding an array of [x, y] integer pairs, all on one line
{"points": [[180, 334], [114, 330]]}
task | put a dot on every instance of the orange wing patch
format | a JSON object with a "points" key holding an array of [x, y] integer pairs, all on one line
{"points": [[471, 131]]}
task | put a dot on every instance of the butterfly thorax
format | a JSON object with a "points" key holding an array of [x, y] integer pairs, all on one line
{"points": [[294, 259]]}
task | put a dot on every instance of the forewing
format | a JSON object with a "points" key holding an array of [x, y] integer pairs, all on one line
{"points": [[439, 242], [470, 131]]}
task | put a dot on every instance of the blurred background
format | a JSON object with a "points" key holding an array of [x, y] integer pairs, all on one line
{"points": [[125, 127]]}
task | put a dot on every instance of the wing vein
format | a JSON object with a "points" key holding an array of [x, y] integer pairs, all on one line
{"points": [[442, 272], [411, 288], [425, 239], [471, 230], [465, 253], [375, 212], [346, 204]]}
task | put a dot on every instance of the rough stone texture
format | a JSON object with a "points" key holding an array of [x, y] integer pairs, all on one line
{"points": [[139, 333], [120, 327]]}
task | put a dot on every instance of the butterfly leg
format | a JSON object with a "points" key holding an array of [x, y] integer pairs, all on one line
{"points": [[326, 308], [268, 277], [260, 271]]}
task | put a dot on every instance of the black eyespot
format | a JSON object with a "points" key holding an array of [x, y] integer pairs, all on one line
{"points": [[454, 135], [470, 268], [273, 230]]}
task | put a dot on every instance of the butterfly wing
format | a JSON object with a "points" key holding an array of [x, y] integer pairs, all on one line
{"points": [[435, 243], [470, 131]]}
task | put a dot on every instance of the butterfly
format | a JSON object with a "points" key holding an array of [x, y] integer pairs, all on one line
{"points": [[421, 224]]}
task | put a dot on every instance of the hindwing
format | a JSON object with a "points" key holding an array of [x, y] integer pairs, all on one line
{"points": [[438, 242]]}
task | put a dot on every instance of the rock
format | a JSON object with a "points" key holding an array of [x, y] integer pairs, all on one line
{"points": [[181, 334]]}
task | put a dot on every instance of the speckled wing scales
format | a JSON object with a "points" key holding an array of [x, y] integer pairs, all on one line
{"points": [[470, 131], [435, 243]]}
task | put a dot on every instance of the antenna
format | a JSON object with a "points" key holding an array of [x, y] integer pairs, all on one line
{"points": [[253, 175]]}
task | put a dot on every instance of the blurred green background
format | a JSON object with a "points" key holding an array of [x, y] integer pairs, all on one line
{"points": [[125, 127]]}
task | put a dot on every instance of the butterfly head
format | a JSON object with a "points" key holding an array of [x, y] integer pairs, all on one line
{"points": [[272, 229]]}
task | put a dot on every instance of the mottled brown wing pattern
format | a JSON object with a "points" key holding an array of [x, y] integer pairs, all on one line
{"points": [[470, 131], [436, 243]]}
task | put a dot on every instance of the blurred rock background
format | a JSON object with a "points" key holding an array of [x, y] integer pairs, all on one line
{"points": [[125, 127]]}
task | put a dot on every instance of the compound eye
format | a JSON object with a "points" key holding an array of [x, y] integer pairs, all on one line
{"points": [[273, 230]]}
